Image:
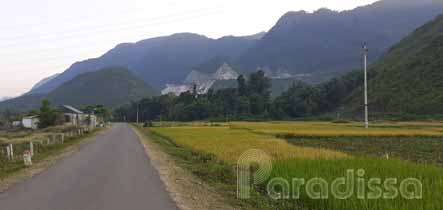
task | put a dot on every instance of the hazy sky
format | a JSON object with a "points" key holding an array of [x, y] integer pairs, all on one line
{"points": [[44, 37]]}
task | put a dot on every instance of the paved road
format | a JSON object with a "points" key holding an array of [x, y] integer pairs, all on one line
{"points": [[110, 173]]}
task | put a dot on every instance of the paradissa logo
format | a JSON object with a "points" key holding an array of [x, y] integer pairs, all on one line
{"points": [[254, 167]]}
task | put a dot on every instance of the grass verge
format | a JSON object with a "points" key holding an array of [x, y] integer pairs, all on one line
{"points": [[9, 169], [217, 174]]}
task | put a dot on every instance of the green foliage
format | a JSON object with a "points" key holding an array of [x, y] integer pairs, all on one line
{"points": [[408, 80], [330, 170], [423, 150], [250, 100], [304, 100], [47, 115], [99, 110]]}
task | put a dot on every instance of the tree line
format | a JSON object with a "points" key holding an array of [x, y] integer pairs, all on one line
{"points": [[250, 100], [50, 116]]}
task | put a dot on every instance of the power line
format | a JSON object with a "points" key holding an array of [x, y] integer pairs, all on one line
{"points": [[61, 48], [40, 52], [104, 28], [49, 19]]}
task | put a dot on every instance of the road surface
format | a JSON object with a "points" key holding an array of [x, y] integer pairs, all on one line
{"points": [[110, 173]]}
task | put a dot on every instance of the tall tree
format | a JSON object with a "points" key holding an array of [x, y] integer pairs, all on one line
{"points": [[47, 115], [242, 86]]}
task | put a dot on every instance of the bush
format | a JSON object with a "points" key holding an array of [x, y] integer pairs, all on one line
{"points": [[148, 124]]}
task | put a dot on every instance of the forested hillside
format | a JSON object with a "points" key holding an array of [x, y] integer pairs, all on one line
{"points": [[409, 79], [110, 87]]}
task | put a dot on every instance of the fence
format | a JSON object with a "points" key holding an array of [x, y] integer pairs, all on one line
{"points": [[14, 152]]}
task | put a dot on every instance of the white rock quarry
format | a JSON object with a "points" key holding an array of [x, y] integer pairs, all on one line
{"points": [[176, 89], [204, 81], [196, 77], [279, 74], [225, 72]]}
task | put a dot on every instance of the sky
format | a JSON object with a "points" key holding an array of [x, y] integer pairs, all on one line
{"points": [[44, 37]]}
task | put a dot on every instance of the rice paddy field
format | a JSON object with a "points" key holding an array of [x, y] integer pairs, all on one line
{"points": [[310, 150], [328, 129], [228, 144]]}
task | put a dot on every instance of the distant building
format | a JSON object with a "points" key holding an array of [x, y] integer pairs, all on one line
{"points": [[16, 124], [73, 116], [30, 122], [76, 117]]}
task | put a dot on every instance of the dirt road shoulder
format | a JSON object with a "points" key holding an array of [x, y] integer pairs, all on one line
{"points": [[189, 192]]}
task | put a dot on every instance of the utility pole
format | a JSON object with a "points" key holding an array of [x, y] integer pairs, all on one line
{"points": [[365, 55], [137, 113]]}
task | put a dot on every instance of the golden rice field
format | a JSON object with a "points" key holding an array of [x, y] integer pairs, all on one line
{"points": [[329, 129], [228, 144], [227, 141]]}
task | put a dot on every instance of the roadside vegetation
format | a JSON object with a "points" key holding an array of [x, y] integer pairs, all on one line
{"points": [[46, 144], [210, 151]]}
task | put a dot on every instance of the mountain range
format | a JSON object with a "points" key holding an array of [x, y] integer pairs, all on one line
{"points": [[330, 42], [312, 47], [157, 61], [112, 87], [319, 44]]}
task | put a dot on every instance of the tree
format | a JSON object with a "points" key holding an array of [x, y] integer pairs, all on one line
{"points": [[242, 86], [260, 84], [259, 92], [47, 115]]}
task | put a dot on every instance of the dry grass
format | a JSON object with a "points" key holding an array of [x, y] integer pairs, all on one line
{"points": [[20, 136], [228, 144], [328, 129]]}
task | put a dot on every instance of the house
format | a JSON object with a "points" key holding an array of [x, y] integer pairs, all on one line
{"points": [[16, 124], [73, 116], [76, 117], [30, 122]]}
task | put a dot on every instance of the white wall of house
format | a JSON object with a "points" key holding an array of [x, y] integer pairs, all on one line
{"points": [[31, 123]]}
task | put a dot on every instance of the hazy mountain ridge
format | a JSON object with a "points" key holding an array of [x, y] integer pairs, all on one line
{"points": [[312, 47], [4, 98], [44, 81], [111, 87], [330, 41], [158, 61]]}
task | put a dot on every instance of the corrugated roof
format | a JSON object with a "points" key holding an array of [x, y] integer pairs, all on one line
{"points": [[73, 109], [30, 117]]}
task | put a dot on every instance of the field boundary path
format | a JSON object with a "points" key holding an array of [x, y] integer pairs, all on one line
{"points": [[110, 173]]}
